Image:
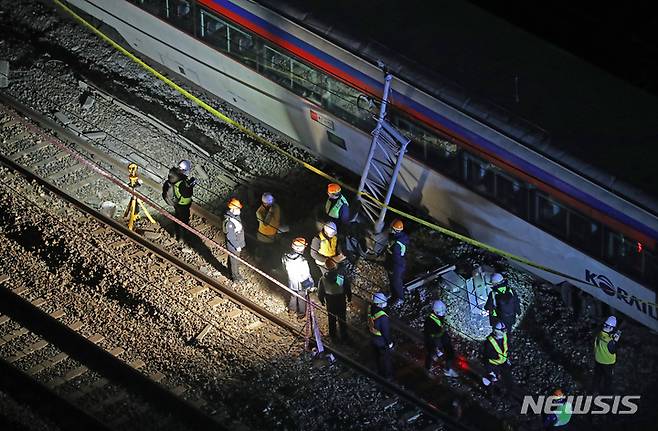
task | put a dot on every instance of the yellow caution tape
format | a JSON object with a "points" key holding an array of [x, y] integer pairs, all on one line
{"points": [[310, 167]]}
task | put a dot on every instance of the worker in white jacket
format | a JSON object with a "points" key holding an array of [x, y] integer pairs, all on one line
{"points": [[299, 276]]}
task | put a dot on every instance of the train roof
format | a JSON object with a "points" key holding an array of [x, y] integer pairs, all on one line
{"points": [[530, 90]]}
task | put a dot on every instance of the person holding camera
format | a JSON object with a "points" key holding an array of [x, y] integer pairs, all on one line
{"points": [[605, 355]]}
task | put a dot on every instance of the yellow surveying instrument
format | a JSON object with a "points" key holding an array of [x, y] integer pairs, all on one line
{"points": [[132, 212]]}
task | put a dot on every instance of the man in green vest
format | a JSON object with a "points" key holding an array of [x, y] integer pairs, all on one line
{"points": [[334, 289], [177, 191], [380, 334], [496, 356], [561, 414], [605, 355]]}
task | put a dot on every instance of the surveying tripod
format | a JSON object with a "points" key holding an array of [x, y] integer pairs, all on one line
{"points": [[132, 212]]}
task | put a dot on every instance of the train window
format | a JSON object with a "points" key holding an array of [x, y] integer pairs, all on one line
{"points": [[623, 253], [154, 7], [479, 174], [179, 13], [427, 146], [651, 270], [213, 30], [512, 194], [585, 233], [551, 215]]}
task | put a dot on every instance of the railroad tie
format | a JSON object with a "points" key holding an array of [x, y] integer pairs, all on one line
{"points": [[215, 302], [29, 150], [4, 277], [4, 319], [157, 376], [13, 335], [58, 314], [201, 335], [197, 290], [54, 360], [137, 364], [28, 351]]}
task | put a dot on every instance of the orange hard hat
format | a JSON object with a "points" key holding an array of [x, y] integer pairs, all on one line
{"points": [[234, 203], [299, 242], [333, 188], [397, 224], [558, 393]]}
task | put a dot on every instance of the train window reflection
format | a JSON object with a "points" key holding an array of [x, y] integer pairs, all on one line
{"points": [[622, 253], [214, 31], [551, 215], [155, 7], [179, 13], [479, 174], [587, 234], [511, 194]]}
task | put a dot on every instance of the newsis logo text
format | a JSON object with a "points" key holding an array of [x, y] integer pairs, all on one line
{"points": [[582, 404]]}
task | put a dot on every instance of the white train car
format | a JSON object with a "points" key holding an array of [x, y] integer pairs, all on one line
{"points": [[463, 170]]}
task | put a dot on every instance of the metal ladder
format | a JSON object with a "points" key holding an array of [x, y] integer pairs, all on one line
{"points": [[383, 165]]}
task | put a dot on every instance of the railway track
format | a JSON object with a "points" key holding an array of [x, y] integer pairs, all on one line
{"points": [[206, 289]]}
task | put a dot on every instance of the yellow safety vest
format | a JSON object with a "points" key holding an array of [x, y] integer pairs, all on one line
{"points": [[327, 245], [371, 322], [181, 200], [272, 227], [502, 354], [601, 353]]}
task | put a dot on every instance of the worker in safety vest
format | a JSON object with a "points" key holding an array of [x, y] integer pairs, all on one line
{"points": [[437, 339], [561, 414], [337, 208], [380, 332], [605, 355], [177, 191], [299, 276], [396, 260], [269, 221], [502, 303], [496, 356], [234, 236], [325, 246], [334, 289]]}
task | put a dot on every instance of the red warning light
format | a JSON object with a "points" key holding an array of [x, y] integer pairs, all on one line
{"points": [[639, 247], [462, 363]]}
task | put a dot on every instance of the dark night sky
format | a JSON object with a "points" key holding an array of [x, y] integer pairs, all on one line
{"points": [[621, 38]]}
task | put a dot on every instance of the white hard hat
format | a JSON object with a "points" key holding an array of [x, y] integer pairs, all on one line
{"points": [[439, 308], [611, 322], [329, 229], [185, 166], [267, 198], [496, 278], [500, 326], [379, 299]]}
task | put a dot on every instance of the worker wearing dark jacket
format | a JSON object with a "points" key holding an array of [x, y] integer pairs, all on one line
{"points": [[177, 191], [396, 262], [496, 356], [337, 208], [605, 355], [334, 289], [437, 339], [234, 236], [380, 332], [502, 303]]}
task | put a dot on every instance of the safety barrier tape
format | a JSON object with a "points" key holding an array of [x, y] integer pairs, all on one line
{"points": [[316, 170]]}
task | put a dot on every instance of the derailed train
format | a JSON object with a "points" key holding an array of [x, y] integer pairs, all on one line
{"points": [[470, 166]]}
